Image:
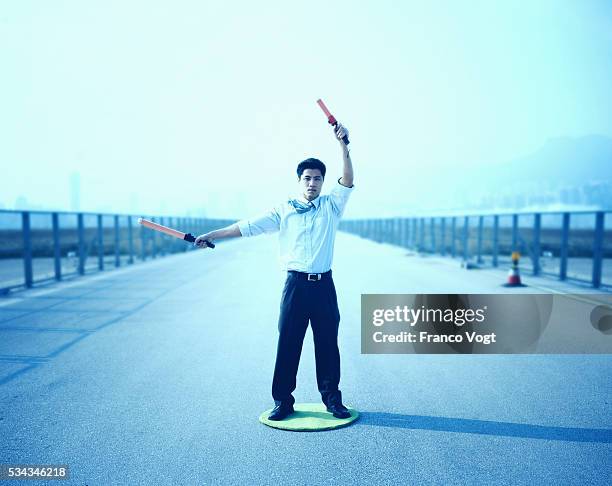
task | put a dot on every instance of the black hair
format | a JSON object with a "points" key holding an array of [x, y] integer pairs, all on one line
{"points": [[310, 164]]}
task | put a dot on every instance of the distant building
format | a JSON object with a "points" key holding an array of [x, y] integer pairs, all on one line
{"points": [[21, 203], [75, 192]]}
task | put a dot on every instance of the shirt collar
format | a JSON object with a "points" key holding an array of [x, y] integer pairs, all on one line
{"points": [[315, 201]]}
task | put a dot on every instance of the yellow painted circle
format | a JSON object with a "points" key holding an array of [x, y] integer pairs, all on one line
{"points": [[309, 417]]}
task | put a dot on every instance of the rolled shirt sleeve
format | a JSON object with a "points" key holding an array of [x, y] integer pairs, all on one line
{"points": [[268, 222], [339, 197]]}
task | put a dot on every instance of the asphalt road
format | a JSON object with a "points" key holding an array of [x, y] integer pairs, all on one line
{"points": [[156, 374]]}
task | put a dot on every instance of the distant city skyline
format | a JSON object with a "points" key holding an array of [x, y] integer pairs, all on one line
{"points": [[525, 195], [594, 195]]}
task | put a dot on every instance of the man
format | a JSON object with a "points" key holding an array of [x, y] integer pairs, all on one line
{"points": [[307, 230]]}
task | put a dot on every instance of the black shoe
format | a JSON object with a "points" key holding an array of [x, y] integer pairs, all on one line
{"points": [[281, 412], [339, 411]]}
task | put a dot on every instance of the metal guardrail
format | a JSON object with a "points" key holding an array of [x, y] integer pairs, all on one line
{"points": [[574, 246], [42, 246]]}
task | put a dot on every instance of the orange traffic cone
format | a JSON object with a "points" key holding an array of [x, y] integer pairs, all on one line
{"points": [[514, 276]]}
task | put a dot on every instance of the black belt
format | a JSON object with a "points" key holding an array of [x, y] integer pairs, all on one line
{"points": [[312, 277]]}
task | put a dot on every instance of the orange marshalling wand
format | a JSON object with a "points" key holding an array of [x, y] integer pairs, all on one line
{"points": [[169, 231], [331, 119]]}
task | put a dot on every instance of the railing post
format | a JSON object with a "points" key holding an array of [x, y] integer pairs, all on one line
{"points": [[164, 242], [195, 226], [117, 249], [100, 244], [443, 236], [495, 240], [564, 246], [407, 226], [432, 225], [184, 225], [479, 244], [27, 248], [153, 235], [453, 231], [171, 243], [515, 232], [397, 234], [81, 231], [422, 234], [386, 233], [396, 231], [537, 251], [598, 248], [466, 228], [401, 234], [130, 241], [57, 254], [414, 233], [143, 244]]}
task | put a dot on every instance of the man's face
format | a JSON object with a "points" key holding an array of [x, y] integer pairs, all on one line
{"points": [[311, 181]]}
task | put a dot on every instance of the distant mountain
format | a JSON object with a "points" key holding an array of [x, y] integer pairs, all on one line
{"points": [[561, 161], [566, 173]]}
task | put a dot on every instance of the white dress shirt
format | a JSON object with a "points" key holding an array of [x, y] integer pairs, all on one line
{"points": [[306, 240]]}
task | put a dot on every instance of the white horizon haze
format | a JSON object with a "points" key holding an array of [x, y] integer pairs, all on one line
{"points": [[204, 108]]}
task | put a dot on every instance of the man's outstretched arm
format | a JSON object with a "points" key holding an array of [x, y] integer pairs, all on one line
{"points": [[268, 222], [347, 170], [231, 231]]}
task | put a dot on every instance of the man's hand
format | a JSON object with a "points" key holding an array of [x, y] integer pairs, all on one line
{"points": [[201, 240], [341, 132], [231, 231]]}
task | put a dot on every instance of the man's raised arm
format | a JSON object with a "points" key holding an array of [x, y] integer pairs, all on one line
{"points": [[347, 170]]}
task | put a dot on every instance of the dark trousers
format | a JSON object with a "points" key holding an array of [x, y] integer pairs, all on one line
{"points": [[304, 301]]}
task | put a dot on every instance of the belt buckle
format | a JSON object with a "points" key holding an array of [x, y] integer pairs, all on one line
{"points": [[316, 277]]}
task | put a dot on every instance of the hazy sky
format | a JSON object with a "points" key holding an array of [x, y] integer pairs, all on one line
{"points": [[209, 106]]}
